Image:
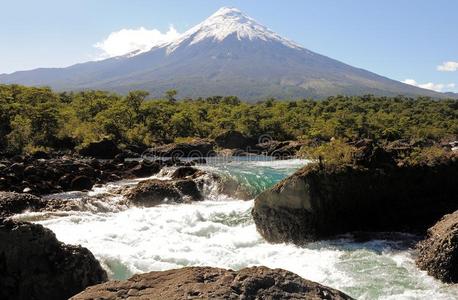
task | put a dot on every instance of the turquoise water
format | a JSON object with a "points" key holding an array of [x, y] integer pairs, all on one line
{"points": [[256, 174]]}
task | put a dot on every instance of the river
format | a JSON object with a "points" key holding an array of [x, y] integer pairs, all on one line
{"points": [[220, 232]]}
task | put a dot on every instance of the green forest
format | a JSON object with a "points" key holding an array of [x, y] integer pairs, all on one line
{"points": [[38, 118]]}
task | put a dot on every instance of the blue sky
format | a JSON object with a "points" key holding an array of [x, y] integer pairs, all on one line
{"points": [[398, 39]]}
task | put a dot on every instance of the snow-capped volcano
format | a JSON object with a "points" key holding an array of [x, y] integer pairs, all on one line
{"points": [[227, 54], [228, 22]]}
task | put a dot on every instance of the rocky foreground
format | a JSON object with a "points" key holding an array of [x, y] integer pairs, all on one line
{"points": [[213, 283], [35, 265]]}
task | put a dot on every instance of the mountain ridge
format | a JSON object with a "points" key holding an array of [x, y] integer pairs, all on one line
{"points": [[229, 53]]}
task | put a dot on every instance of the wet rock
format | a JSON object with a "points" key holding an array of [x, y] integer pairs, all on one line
{"points": [[213, 283], [40, 155], [81, 183], [30, 171], [45, 176], [153, 192], [235, 140], [17, 169], [318, 202], [14, 203], [65, 181], [104, 149], [18, 158], [127, 154], [35, 265], [145, 169], [183, 172], [189, 189], [438, 253]]}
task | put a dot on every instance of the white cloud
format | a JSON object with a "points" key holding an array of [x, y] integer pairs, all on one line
{"points": [[448, 66], [438, 87], [127, 40]]}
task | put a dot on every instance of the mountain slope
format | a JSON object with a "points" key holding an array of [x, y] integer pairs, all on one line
{"points": [[227, 54]]}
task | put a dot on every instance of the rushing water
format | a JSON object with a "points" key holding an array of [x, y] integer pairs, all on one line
{"points": [[220, 232]]}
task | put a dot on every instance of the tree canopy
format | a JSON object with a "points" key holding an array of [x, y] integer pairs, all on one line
{"points": [[38, 118]]}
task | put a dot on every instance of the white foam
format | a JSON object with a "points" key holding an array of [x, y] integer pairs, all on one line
{"points": [[222, 234]]}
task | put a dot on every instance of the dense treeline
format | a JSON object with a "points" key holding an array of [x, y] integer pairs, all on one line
{"points": [[34, 118]]}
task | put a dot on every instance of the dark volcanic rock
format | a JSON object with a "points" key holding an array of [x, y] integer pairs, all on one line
{"points": [[213, 283], [47, 176], [14, 203], [81, 183], [235, 140], [198, 148], [153, 192], [127, 154], [35, 265], [145, 169], [438, 253], [183, 172], [105, 149], [40, 155], [318, 202]]}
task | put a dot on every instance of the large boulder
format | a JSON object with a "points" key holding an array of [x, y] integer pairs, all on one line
{"points": [[438, 253], [153, 192], [197, 148], [213, 283], [145, 169], [318, 202], [81, 183], [183, 172], [14, 203], [35, 265], [104, 149], [235, 140]]}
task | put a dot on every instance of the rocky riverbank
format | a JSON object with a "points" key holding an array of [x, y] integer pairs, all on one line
{"points": [[380, 194], [185, 184], [48, 176], [213, 283]]}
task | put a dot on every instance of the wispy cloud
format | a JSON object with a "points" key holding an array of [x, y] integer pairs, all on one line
{"points": [[448, 66], [438, 87], [128, 40]]}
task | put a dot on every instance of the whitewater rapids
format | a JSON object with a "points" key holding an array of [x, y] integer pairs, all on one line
{"points": [[220, 232]]}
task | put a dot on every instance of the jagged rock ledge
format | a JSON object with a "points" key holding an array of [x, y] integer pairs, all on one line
{"points": [[322, 201], [213, 283]]}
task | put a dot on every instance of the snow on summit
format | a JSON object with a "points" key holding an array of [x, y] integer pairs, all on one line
{"points": [[225, 22]]}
